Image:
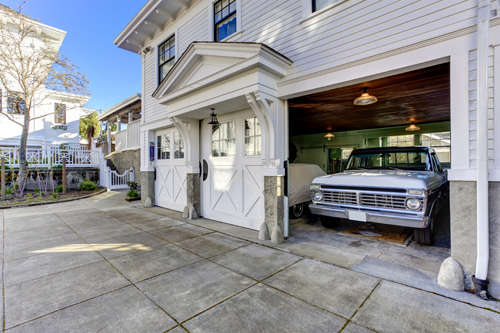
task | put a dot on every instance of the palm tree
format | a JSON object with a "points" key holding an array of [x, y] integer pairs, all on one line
{"points": [[90, 127]]}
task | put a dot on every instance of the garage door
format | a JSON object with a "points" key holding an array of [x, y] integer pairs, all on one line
{"points": [[170, 182], [233, 185]]}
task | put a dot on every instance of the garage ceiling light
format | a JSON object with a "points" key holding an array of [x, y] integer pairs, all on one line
{"points": [[365, 98], [412, 128], [329, 136]]}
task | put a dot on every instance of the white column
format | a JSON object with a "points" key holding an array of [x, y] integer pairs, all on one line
{"points": [[108, 134], [130, 117], [119, 124]]}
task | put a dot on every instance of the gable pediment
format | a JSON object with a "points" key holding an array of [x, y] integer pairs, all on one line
{"points": [[204, 63]]}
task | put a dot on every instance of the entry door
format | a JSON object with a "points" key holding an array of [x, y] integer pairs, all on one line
{"points": [[170, 169], [232, 181]]}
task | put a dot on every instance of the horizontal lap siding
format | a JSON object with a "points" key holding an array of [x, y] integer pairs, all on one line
{"points": [[473, 109], [194, 30], [154, 110], [354, 30]]}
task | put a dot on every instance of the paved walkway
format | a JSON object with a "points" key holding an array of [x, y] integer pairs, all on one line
{"points": [[104, 265]]}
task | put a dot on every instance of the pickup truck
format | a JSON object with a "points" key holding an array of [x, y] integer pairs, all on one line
{"points": [[404, 186]]}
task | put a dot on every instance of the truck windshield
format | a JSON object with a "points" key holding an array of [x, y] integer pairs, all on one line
{"points": [[412, 160]]}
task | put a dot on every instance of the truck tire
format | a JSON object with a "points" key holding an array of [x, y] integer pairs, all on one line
{"points": [[296, 211], [329, 222], [425, 236]]}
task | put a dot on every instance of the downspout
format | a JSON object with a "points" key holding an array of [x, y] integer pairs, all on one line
{"points": [[480, 279]]}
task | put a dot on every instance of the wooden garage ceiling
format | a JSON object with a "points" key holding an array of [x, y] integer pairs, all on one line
{"points": [[421, 96]]}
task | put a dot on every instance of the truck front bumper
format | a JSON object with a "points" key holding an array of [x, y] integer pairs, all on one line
{"points": [[406, 220]]}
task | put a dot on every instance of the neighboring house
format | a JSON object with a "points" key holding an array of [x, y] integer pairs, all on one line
{"points": [[125, 152], [281, 71], [63, 111]]}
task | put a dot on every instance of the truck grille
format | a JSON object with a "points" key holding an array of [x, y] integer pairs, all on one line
{"points": [[384, 201], [346, 198]]}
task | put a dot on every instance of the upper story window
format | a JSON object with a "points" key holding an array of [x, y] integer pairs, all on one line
{"points": [[320, 4], [15, 105], [166, 57], [224, 139], [59, 113], [253, 137], [224, 19]]}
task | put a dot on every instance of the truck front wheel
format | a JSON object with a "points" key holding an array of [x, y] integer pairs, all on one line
{"points": [[425, 236], [329, 222]]}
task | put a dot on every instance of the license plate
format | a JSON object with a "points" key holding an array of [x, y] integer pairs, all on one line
{"points": [[357, 216]]}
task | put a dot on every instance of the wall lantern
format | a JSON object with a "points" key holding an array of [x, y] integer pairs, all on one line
{"points": [[365, 98], [329, 136], [213, 118], [412, 128]]}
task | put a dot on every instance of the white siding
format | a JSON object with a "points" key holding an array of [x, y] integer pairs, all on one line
{"points": [[352, 31], [194, 30], [153, 109], [473, 109]]}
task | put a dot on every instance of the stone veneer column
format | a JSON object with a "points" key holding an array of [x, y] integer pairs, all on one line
{"points": [[274, 197], [147, 188], [192, 209]]}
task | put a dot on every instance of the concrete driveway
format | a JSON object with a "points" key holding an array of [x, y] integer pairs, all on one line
{"points": [[104, 265]]}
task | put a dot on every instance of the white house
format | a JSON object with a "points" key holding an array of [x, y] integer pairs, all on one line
{"points": [[62, 111], [287, 71]]}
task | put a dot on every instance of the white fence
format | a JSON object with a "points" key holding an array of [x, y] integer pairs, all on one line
{"points": [[49, 158], [129, 137], [115, 181]]}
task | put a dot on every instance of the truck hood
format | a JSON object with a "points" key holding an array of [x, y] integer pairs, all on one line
{"points": [[382, 178]]}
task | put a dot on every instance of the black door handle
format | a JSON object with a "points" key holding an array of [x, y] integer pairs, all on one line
{"points": [[205, 170]]}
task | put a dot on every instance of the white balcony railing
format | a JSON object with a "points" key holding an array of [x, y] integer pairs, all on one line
{"points": [[49, 158], [128, 138]]}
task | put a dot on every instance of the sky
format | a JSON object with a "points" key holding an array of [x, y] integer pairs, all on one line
{"points": [[91, 26]]}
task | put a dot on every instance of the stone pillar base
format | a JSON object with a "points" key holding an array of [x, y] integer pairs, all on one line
{"points": [[148, 188], [192, 209], [275, 210]]}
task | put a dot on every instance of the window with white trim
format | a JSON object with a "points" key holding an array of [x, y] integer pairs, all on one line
{"points": [[178, 145], [224, 139], [15, 105], [59, 113], [401, 141], [320, 4], [441, 142], [166, 57], [225, 20], [253, 137], [163, 147]]}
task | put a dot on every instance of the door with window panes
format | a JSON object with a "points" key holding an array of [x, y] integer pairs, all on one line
{"points": [[232, 180], [170, 169]]}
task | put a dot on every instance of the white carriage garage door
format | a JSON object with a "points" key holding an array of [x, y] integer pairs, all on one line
{"points": [[232, 181], [170, 170]]}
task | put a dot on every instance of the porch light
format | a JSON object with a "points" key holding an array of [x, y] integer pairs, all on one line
{"points": [[412, 128], [329, 136], [213, 118], [365, 98]]}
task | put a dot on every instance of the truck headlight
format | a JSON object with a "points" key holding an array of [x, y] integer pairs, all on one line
{"points": [[413, 203], [318, 196]]}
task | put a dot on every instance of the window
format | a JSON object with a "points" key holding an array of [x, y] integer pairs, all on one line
{"points": [[166, 57], [15, 105], [346, 152], [401, 141], [320, 4], [224, 139], [178, 146], [253, 138], [163, 146], [224, 19], [59, 113], [441, 143]]}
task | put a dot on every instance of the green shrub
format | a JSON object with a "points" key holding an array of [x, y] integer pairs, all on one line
{"points": [[37, 190], [132, 194], [57, 167], [9, 191], [88, 185], [59, 188], [54, 195], [133, 185]]}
